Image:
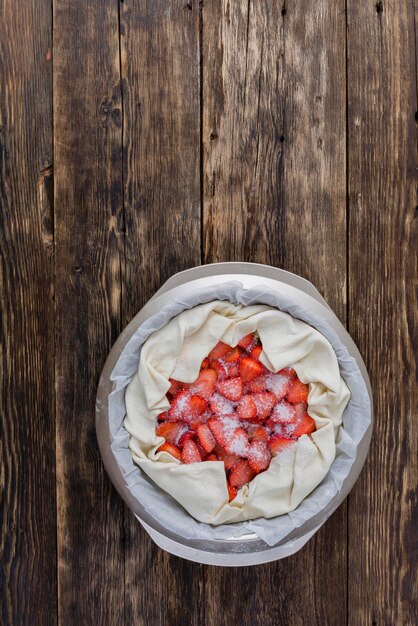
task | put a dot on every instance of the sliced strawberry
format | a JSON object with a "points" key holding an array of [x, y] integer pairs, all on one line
{"points": [[188, 434], [238, 443], [223, 429], [230, 389], [205, 416], [278, 384], [217, 429], [256, 351], [259, 456], [287, 371], [246, 341], [305, 426], [246, 409], [249, 369], [195, 423], [202, 452], [179, 406], [186, 407], [202, 419], [264, 402], [176, 386], [271, 424], [204, 385], [171, 449], [277, 443], [257, 433], [222, 370], [197, 406], [258, 384], [205, 364], [240, 474], [171, 431], [221, 405], [229, 435], [211, 457], [226, 370], [298, 392], [283, 412], [300, 409], [162, 416], [232, 356], [233, 369], [190, 452], [232, 492], [229, 460], [219, 350], [207, 440]]}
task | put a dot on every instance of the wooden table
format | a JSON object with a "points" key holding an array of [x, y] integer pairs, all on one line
{"points": [[142, 138]]}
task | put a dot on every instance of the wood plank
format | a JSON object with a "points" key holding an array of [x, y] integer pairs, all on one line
{"points": [[89, 222], [160, 65], [382, 311], [27, 429], [274, 192]]}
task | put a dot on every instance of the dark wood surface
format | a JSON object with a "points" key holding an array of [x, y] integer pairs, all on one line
{"points": [[28, 537], [141, 138], [382, 318], [88, 211]]}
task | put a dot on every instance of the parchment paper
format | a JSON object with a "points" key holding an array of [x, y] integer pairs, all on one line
{"points": [[356, 420]]}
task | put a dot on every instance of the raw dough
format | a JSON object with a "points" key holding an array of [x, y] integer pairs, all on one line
{"points": [[177, 350]]}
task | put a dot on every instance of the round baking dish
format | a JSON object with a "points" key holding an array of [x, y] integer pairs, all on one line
{"points": [[247, 549]]}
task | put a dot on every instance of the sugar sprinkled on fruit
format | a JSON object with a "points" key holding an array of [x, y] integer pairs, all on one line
{"points": [[235, 412]]}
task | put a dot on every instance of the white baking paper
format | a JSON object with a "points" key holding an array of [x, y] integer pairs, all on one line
{"points": [[356, 421]]}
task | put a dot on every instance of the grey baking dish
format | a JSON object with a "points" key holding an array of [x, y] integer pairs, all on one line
{"points": [[249, 549]]}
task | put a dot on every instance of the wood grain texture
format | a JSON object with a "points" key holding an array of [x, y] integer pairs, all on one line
{"points": [[274, 138], [274, 192], [382, 307], [160, 73], [27, 432], [188, 132], [89, 220]]}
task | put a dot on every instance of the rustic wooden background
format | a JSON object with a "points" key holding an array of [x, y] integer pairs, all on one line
{"points": [[143, 137]]}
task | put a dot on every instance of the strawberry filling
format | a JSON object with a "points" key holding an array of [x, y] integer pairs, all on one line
{"points": [[236, 412]]}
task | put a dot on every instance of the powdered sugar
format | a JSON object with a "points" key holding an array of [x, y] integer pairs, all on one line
{"points": [[257, 453], [224, 367], [229, 424], [278, 384], [230, 388], [289, 429], [283, 412], [221, 406], [238, 444], [284, 430], [229, 368], [259, 456], [264, 402], [179, 407]]}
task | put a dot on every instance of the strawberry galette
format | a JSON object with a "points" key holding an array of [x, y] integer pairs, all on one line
{"points": [[235, 410]]}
